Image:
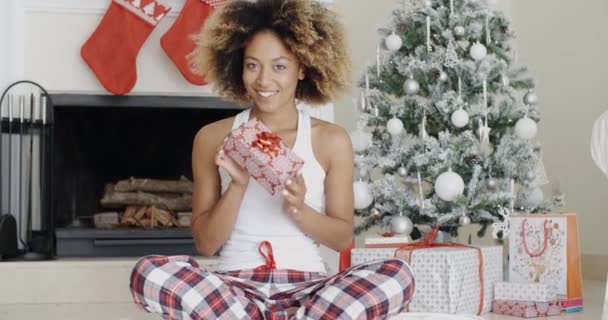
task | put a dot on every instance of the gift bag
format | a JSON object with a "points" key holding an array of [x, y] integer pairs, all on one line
{"points": [[544, 248]]}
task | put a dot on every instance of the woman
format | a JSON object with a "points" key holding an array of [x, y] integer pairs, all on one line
{"points": [[269, 54]]}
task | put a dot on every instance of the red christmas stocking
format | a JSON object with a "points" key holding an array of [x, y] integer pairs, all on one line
{"points": [[112, 49], [176, 41]]}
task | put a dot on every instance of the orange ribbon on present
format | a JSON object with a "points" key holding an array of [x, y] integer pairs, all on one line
{"points": [[268, 142], [405, 253]]}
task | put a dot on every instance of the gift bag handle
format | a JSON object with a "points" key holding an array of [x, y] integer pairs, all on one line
{"points": [[546, 240]]}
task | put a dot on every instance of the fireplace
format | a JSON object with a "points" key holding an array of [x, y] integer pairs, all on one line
{"points": [[99, 139]]}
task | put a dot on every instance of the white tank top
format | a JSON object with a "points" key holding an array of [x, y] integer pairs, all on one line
{"points": [[261, 215]]}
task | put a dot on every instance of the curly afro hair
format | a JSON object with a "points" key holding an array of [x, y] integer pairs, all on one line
{"points": [[308, 29]]}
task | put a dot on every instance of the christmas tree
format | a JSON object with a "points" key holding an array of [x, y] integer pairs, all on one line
{"points": [[446, 124]]}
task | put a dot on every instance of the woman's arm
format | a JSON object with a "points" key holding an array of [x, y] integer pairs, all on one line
{"points": [[214, 214], [335, 228]]}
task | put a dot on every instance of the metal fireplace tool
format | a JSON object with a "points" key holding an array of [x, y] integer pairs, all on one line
{"points": [[10, 227]]}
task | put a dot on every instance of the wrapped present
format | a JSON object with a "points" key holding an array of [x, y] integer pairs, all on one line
{"points": [[269, 161], [448, 279], [527, 309], [364, 255], [514, 291], [389, 241]]}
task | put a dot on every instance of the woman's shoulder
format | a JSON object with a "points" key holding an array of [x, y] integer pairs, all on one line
{"points": [[330, 131], [331, 142], [213, 134]]}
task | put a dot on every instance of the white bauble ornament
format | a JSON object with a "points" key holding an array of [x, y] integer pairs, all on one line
{"points": [[525, 128], [459, 31], [530, 176], [402, 172], [491, 183], [402, 225], [411, 86], [443, 77], [530, 98], [478, 51], [535, 198], [363, 196], [449, 185], [428, 3], [393, 42], [460, 118], [361, 140], [394, 126], [464, 220]]}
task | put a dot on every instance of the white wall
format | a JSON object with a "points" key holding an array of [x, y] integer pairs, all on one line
{"points": [[566, 48]]}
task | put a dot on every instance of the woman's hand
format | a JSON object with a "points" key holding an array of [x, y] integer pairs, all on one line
{"points": [[239, 175], [293, 196]]}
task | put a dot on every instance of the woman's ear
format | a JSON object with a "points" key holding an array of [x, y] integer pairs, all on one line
{"points": [[301, 73]]}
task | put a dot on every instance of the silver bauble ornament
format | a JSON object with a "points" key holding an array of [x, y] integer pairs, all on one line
{"points": [[375, 213], [401, 225], [393, 42], [525, 128], [402, 172], [443, 77], [491, 183], [449, 185], [530, 98], [394, 126], [478, 51], [362, 174], [460, 118], [464, 220], [459, 31], [411, 86]]}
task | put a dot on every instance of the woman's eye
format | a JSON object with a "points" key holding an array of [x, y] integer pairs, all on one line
{"points": [[280, 67], [251, 66]]}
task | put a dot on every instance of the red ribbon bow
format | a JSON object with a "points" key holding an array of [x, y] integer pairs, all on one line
{"points": [[268, 257], [405, 253], [268, 142]]}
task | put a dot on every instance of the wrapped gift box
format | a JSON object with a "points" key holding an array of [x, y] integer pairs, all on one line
{"points": [[447, 279], [265, 156], [514, 291], [527, 309], [395, 241]]}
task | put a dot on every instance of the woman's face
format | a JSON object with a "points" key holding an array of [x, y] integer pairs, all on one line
{"points": [[270, 72]]}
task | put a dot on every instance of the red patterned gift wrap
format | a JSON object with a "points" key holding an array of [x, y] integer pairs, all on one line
{"points": [[527, 309], [269, 161]]}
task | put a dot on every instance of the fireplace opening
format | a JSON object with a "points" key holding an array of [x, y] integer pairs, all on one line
{"points": [[122, 172]]}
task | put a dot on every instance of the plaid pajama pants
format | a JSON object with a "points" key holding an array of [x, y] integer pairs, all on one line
{"points": [[178, 288]]}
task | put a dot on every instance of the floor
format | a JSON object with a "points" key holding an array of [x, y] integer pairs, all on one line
{"points": [[96, 289]]}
